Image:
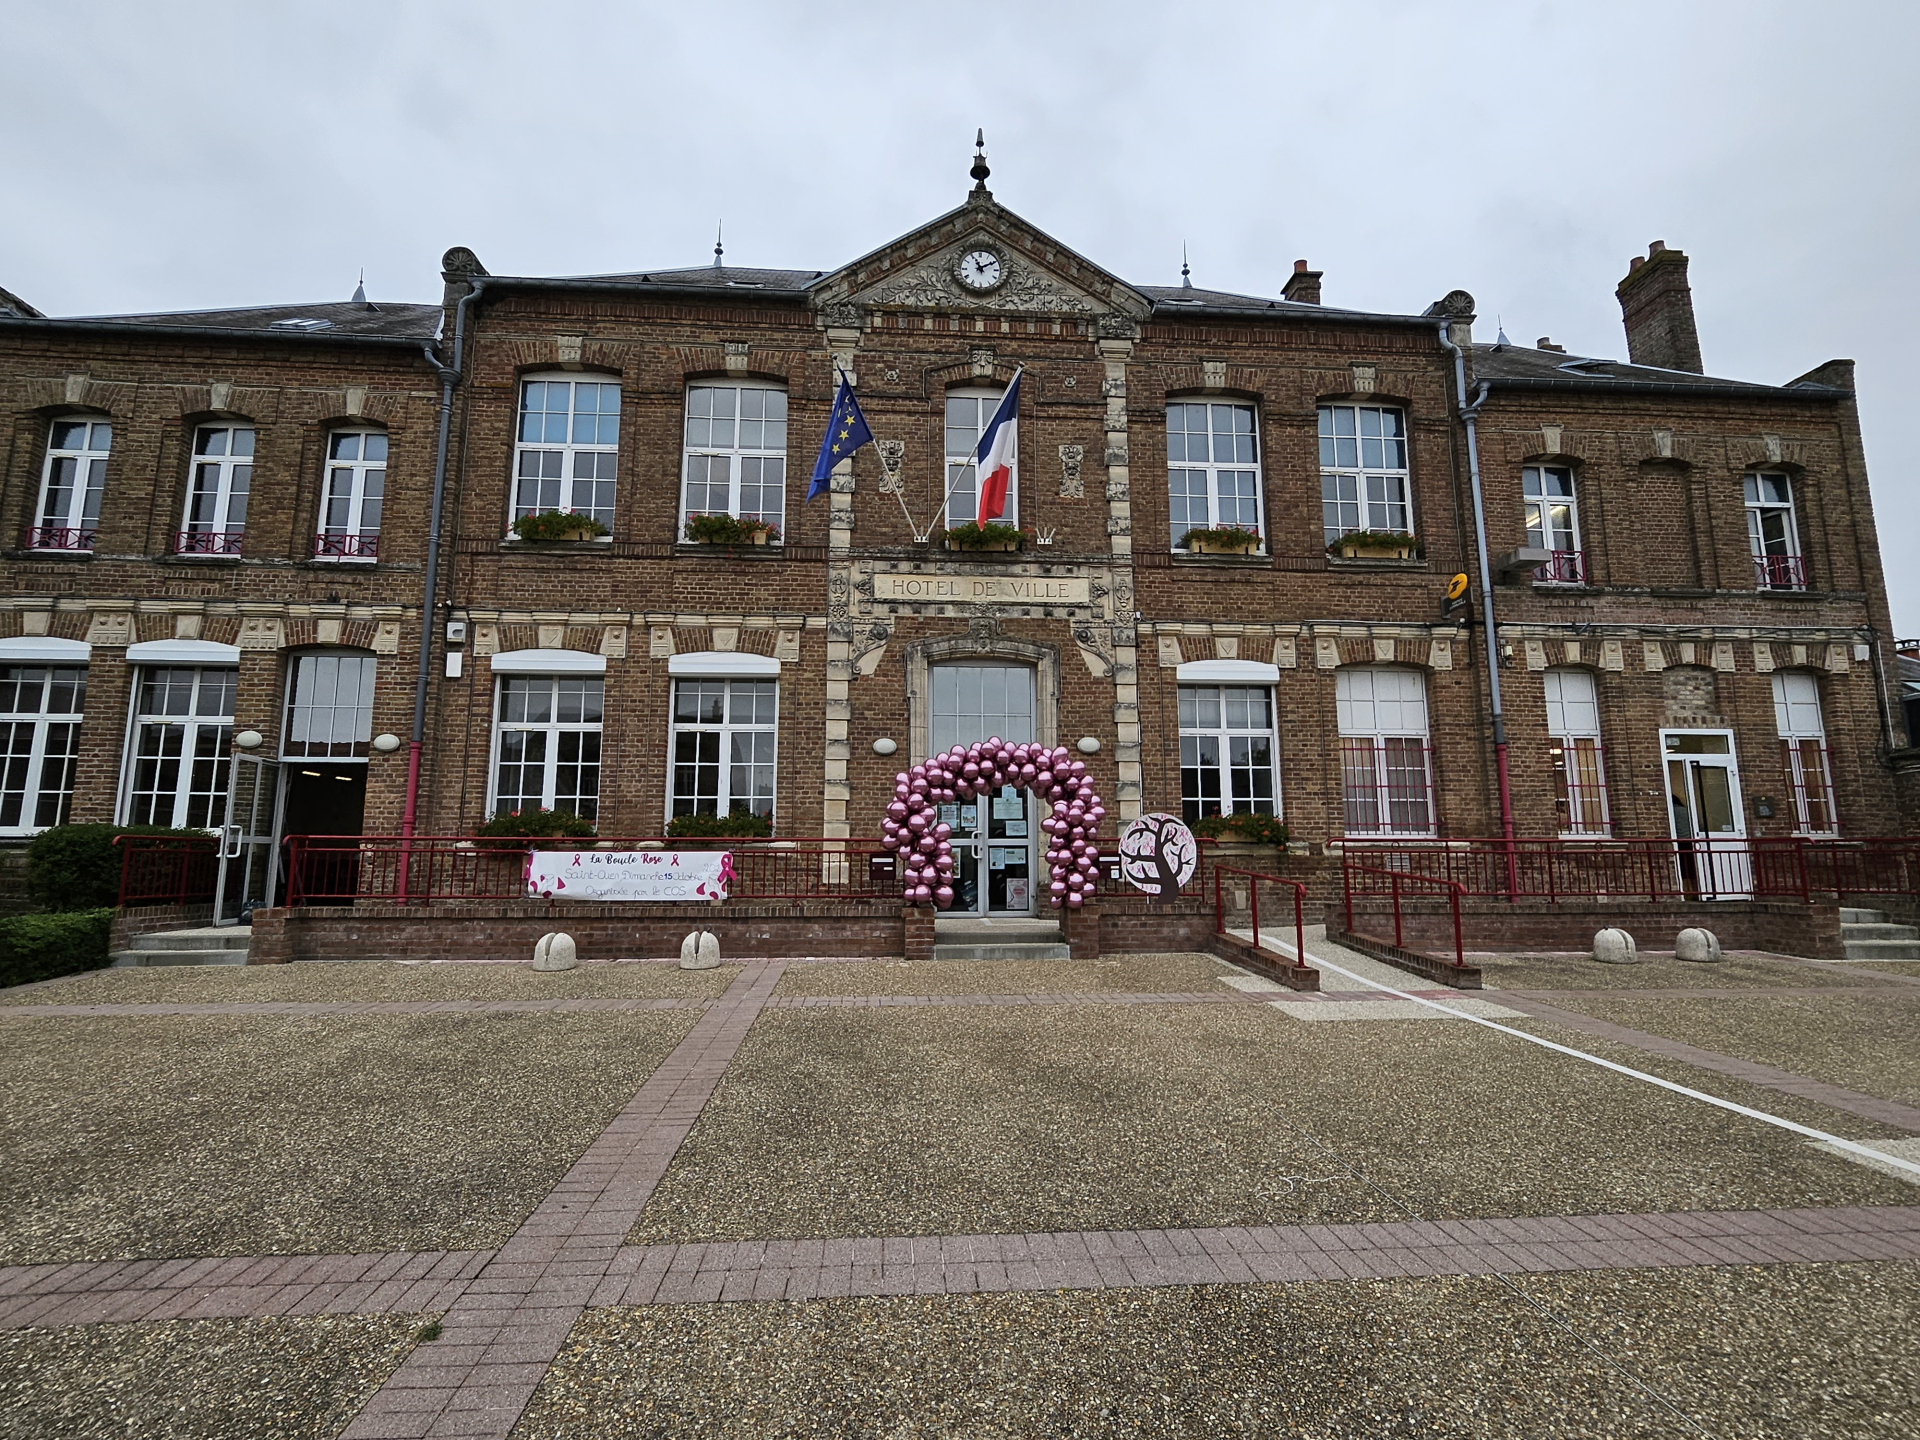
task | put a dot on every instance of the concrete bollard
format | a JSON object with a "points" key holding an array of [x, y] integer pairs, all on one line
{"points": [[1701, 946], [555, 952], [1615, 947], [700, 951]]}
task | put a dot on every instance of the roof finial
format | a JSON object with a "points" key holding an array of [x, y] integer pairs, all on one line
{"points": [[1186, 275], [980, 170], [1501, 332], [718, 248], [360, 290]]}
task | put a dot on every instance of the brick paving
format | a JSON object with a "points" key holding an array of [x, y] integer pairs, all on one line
{"points": [[352, 1007]]}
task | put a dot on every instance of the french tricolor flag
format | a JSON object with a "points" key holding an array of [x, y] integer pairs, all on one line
{"points": [[998, 453]]}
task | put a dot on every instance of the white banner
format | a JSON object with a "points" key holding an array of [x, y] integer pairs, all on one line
{"points": [[691, 875]]}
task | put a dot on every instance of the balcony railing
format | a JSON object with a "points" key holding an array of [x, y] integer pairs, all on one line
{"points": [[1567, 567], [57, 537], [336, 545], [207, 542], [1779, 572]]}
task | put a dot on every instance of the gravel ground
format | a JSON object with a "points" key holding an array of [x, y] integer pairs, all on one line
{"points": [[1740, 970], [1866, 1043], [380, 980], [1131, 974], [1368, 1359], [197, 1379], [837, 1123], [187, 1135]]}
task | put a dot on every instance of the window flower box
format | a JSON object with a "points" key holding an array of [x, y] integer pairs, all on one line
{"points": [[723, 529], [1377, 545], [558, 525], [1225, 540], [989, 537]]}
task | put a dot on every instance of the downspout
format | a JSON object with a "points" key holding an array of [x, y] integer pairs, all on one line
{"points": [[449, 376], [1469, 412]]}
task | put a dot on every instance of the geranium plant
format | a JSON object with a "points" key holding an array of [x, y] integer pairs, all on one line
{"points": [[1377, 540], [557, 525], [533, 824], [717, 530], [1245, 826], [739, 823], [1221, 537], [990, 536]]}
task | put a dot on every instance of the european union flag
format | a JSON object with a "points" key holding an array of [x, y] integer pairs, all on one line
{"points": [[846, 432]]}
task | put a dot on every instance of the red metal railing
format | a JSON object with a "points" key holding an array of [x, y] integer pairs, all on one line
{"points": [[57, 537], [342, 869], [1391, 883], [167, 869], [1254, 880], [1780, 572], [336, 545], [1566, 567], [207, 542]]}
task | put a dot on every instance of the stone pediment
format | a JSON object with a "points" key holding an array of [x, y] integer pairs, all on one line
{"points": [[1040, 276]]}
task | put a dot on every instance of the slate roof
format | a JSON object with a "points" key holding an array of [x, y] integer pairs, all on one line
{"points": [[1519, 367], [340, 318], [1173, 299], [718, 277]]}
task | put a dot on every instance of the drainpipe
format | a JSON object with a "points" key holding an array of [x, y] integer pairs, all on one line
{"points": [[449, 376], [1469, 412]]}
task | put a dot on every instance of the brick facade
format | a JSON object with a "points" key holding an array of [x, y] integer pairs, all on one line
{"points": [[1670, 624]]}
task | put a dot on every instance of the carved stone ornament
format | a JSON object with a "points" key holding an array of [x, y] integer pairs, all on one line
{"points": [[891, 453], [1071, 458], [1117, 327], [932, 287], [841, 314]]}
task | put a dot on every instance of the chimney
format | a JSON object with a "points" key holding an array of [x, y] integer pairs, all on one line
{"points": [[1546, 343], [1657, 305], [1303, 286]]}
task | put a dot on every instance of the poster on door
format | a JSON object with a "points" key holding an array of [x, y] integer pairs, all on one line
{"points": [[667, 875]]}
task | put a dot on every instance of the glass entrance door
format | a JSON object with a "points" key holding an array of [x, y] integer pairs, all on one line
{"points": [[1703, 801], [250, 840], [993, 854]]}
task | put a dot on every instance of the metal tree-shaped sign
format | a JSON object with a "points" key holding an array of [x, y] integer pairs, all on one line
{"points": [[1158, 855]]}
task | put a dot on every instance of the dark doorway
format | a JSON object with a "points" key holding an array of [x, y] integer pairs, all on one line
{"points": [[325, 799]]}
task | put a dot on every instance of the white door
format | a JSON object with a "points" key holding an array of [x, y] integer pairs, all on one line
{"points": [[993, 835], [1703, 805], [250, 840]]}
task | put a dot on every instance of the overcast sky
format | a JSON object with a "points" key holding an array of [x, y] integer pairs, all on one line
{"points": [[186, 155]]}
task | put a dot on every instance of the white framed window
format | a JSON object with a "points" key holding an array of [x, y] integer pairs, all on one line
{"points": [[568, 447], [1773, 533], [216, 517], [1213, 467], [181, 747], [1363, 470], [1803, 752], [40, 713], [355, 490], [1553, 522], [546, 744], [71, 484], [725, 735], [1574, 751], [735, 452], [1228, 751], [968, 412], [971, 703], [329, 707], [1385, 770]]}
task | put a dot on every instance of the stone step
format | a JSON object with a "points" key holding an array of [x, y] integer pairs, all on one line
{"points": [[1851, 916], [1882, 949], [1004, 950], [124, 958], [1859, 930], [980, 930], [204, 937]]}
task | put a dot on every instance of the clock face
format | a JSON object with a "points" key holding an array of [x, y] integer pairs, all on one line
{"points": [[979, 270]]}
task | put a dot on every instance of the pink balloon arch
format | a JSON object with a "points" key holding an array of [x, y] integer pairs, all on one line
{"points": [[913, 826]]}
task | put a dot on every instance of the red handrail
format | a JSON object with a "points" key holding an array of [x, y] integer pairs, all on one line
{"points": [[166, 869], [1255, 878], [1452, 889]]}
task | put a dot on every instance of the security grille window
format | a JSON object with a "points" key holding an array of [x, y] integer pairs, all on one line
{"points": [[568, 448], [723, 746], [71, 484], [1772, 534], [40, 712], [547, 744], [968, 413], [1213, 470], [1553, 522], [1383, 751], [1573, 748], [1227, 751], [182, 734], [1803, 752], [356, 485], [216, 518], [736, 453], [1363, 470], [329, 707]]}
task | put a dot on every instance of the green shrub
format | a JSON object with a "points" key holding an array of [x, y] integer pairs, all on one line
{"points": [[534, 824], [718, 530], [555, 525], [738, 823], [1220, 535], [77, 867], [1245, 827], [41, 947], [975, 536], [1378, 540]]}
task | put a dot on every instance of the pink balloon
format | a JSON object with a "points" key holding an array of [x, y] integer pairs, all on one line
{"points": [[1075, 900], [1059, 887], [897, 811], [942, 830], [943, 896]]}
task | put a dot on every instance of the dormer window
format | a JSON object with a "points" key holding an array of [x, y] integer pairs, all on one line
{"points": [[71, 484]]}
